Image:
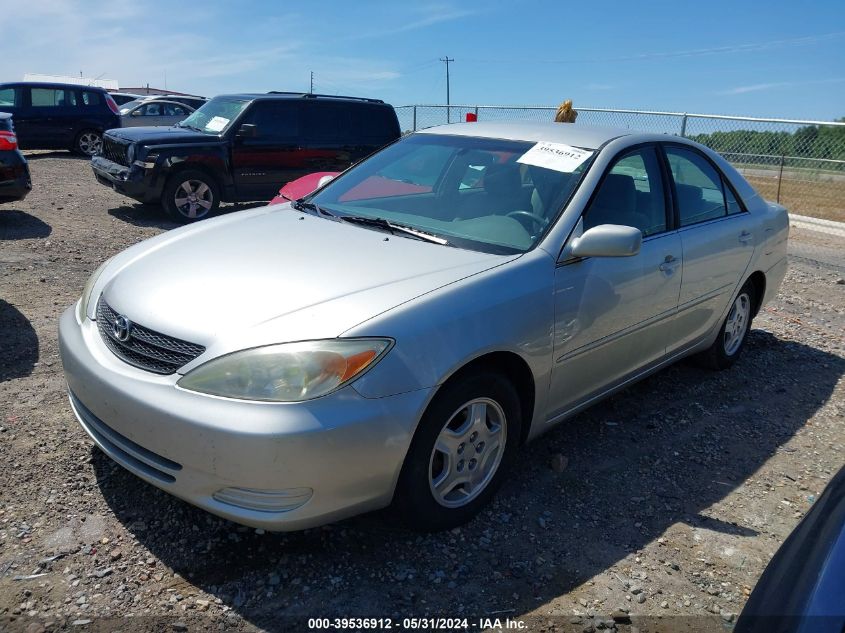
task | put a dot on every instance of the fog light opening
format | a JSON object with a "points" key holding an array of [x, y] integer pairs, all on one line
{"points": [[264, 500]]}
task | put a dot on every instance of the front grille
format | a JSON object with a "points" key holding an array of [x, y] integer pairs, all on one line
{"points": [[145, 348], [114, 150]]}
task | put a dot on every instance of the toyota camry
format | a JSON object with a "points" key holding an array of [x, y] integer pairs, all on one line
{"points": [[397, 335]]}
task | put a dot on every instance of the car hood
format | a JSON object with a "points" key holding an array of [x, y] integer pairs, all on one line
{"points": [[157, 134], [274, 275]]}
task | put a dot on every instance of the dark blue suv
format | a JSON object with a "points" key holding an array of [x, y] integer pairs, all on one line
{"points": [[59, 116]]}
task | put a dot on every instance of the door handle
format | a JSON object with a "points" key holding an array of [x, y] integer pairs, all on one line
{"points": [[670, 263], [745, 236]]}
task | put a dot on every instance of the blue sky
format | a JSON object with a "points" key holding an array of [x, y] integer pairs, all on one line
{"points": [[782, 59]]}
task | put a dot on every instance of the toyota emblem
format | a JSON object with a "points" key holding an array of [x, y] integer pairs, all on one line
{"points": [[122, 329]]}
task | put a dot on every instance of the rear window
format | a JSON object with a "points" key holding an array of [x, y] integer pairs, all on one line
{"points": [[6, 124], [374, 123], [348, 123], [91, 98]]}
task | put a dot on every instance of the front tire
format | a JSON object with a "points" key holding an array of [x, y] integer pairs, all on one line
{"points": [[464, 445], [88, 143], [734, 331], [189, 196]]}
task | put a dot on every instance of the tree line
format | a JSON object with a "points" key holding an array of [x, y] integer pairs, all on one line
{"points": [[810, 141]]}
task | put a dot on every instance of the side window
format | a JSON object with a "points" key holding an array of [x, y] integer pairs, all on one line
{"points": [[699, 188], [90, 99], [153, 109], [171, 109], [631, 194], [10, 97], [730, 200], [326, 123], [52, 97], [276, 121]]}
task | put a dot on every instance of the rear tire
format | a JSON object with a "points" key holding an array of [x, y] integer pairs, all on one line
{"points": [[190, 195], [734, 331], [88, 143], [462, 450]]}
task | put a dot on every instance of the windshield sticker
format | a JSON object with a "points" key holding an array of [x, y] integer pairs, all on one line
{"points": [[217, 123], [555, 156]]}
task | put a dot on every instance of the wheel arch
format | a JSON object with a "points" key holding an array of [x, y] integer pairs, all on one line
{"points": [[516, 370], [758, 278]]}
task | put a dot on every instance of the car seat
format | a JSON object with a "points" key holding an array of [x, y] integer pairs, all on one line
{"points": [[616, 203]]}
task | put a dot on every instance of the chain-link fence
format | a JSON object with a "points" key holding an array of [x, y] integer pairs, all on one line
{"points": [[800, 164]]}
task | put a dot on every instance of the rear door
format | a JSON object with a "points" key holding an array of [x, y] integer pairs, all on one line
{"points": [[53, 116], [717, 238], [261, 165]]}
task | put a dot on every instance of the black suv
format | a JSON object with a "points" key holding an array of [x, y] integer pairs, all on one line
{"points": [[238, 148], [14, 172], [59, 116]]}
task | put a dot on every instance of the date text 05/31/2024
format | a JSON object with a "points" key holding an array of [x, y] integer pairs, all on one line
{"points": [[422, 624]]}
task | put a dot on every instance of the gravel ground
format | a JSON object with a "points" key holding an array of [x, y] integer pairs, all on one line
{"points": [[664, 501]]}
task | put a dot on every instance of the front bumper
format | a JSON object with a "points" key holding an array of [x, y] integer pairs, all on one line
{"points": [[135, 181], [324, 460]]}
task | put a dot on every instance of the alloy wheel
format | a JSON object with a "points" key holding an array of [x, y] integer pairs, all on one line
{"points": [[193, 199], [467, 452], [90, 143], [737, 323]]}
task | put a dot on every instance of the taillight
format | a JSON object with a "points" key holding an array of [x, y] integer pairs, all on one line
{"points": [[112, 105], [8, 140]]}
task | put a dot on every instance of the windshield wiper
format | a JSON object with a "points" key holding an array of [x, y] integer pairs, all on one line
{"points": [[299, 205], [190, 127], [387, 225]]}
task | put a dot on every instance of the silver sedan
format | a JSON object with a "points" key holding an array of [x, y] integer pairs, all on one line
{"points": [[151, 113], [397, 335]]}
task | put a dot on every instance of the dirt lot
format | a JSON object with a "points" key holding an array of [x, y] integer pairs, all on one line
{"points": [[672, 496]]}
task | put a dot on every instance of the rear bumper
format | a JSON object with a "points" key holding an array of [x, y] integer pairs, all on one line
{"points": [[15, 182], [135, 181]]}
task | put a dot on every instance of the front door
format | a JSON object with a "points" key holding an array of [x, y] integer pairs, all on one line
{"points": [[613, 314], [264, 163]]}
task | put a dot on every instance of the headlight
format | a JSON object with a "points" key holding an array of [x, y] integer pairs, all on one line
{"points": [[130, 154], [82, 306], [291, 372]]}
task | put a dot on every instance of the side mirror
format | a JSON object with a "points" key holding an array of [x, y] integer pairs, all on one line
{"points": [[607, 240], [248, 130], [136, 113]]}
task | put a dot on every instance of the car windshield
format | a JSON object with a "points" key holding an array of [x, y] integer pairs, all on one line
{"points": [[215, 116], [481, 194]]}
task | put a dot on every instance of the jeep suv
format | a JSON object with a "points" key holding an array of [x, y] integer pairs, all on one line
{"points": [[59, 116], [238, 148]]}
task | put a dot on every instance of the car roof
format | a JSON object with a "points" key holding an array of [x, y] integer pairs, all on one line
{"points": [[147, 102], [303, 95], [51, 84], [589, 136]]}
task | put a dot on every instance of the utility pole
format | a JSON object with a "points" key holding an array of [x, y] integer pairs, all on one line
{"points": [[447, 60], [311, 91]]}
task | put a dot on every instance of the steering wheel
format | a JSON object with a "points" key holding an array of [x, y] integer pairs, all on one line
{"points": [[537, 221]]}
